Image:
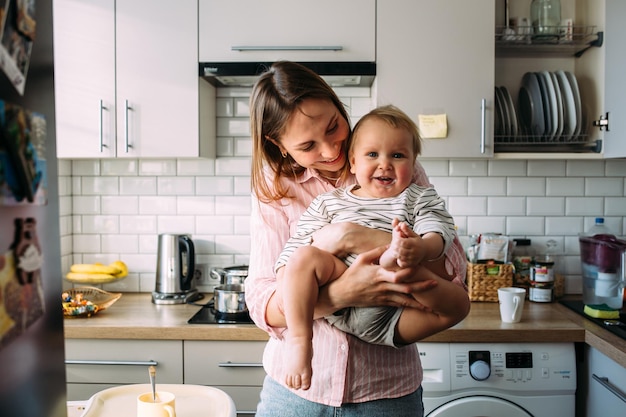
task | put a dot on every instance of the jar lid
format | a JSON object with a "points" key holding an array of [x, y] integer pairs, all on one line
{"points": [[522, 242]]}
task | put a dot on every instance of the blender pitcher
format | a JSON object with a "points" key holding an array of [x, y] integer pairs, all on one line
{"points": [[603, 258]]}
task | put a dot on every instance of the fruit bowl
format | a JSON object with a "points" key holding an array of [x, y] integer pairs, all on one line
{"points": [[87, 301]]}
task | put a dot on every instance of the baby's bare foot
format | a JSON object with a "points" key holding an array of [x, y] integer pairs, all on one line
{"points": [[389, 259], [298, 362]]}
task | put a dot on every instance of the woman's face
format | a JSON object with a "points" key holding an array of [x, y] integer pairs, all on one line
{"points": [[315, 136]]}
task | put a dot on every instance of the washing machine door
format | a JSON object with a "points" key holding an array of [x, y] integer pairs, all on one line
{"points": [[479, 406]]}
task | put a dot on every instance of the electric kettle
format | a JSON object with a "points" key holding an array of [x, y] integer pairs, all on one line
{"points": [[175, 270]]}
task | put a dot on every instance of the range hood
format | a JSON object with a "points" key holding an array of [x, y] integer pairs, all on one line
{"points": [[244, 74]]}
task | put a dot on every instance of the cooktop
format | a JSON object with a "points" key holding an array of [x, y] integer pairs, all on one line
{"points": [[617, 327], [208, 315]]}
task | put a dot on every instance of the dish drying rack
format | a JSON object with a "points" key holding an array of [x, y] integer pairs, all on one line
{"points": [[534, 143], [566, 41]]}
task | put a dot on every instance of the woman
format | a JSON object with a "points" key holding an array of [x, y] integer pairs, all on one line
{"points": [[299, 133]]}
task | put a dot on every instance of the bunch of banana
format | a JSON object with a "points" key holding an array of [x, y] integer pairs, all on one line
{"points": [[97, 273]]}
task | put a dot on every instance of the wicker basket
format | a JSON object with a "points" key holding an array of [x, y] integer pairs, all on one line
{"points": [[484, 280]]}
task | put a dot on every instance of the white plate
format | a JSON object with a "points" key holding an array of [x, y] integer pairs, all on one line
{"points": [[506, 120], [512, 112], [569, 106], [191, 401], [547, 111], [499, 128], [559, 106], [532, 103], [579, 116], [554, 117]]}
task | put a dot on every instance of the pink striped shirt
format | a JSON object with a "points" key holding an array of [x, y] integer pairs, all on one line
{"points": [[345, 369]]}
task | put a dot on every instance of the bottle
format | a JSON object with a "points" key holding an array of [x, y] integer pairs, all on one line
{"points": [[599, 228], [546, 17], [542, 275], [522, 261]]}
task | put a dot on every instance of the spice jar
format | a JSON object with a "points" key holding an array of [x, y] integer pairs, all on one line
{"points": [[542, 276], [522, 261]]}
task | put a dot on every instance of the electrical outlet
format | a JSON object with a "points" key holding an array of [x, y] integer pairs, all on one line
{"points": [[203, 277]]}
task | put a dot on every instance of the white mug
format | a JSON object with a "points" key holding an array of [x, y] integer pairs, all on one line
{"points": [[163, 406], [511, 301]]}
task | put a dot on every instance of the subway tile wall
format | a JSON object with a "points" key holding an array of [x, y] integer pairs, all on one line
{"points": [[115, 208]]}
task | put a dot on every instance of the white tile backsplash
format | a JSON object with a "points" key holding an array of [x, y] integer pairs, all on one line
{"points": [[608, 187], [526, 186], [119, 166], [486, 186], [224, 107], [576, 206], [585, 168], [157, 167], [176, 185], [115, 209], [507, 206], [545, 206], [138, 185], [565, 186], [157, 204]]}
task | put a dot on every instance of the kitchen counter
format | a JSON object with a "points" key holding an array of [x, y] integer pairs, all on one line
{"points": [[134, 316]]}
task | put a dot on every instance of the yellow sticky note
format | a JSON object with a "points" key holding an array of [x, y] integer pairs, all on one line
{"points": [[433, 126]]}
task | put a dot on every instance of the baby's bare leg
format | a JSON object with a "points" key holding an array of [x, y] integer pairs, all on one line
{"points": [[307, 269]]}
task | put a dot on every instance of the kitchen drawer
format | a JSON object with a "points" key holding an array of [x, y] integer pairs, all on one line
{"points": [[246, 398], [113, 361], [224, 363], [81, 392]]}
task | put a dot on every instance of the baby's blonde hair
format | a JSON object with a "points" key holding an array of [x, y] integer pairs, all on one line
{"points": [[395, 118]]}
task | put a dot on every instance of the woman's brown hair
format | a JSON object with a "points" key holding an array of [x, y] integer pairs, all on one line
{"points": [[275, 96]]}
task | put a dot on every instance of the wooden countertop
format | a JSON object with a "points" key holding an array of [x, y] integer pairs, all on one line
{"points": [[134, 316]]}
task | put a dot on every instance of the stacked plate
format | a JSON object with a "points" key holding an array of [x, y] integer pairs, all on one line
{"points": [[549, 109]]}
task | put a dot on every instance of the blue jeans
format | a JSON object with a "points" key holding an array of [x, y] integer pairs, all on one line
{"points": [[278, 401]]}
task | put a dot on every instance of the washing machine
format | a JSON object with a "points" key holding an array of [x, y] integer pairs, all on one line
{"points": [[498, 379]]}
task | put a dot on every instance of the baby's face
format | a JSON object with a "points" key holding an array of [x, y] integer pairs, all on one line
{"points": [[382, 159]]}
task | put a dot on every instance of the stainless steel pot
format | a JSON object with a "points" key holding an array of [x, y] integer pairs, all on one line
{"points": [[230, 299], [233, 275]]}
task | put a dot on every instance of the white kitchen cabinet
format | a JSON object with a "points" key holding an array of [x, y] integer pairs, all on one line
{"points": [[438, 58], [232, 366], [271, 30], [615, 84], [126, 79], [96, 364], [604, 385], [599, 71]]}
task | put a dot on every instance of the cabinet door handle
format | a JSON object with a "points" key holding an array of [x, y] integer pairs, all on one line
{"points": [[483, 124], [98, 362], [127, 108], [230, 364], [247, 48], [246, 413], [100, 128], [604, 381]]}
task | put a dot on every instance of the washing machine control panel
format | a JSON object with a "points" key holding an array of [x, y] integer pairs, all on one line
{"points": [[504, 366]]}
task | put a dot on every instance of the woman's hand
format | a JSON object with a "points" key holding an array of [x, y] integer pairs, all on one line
{"points": [[367, 284]]}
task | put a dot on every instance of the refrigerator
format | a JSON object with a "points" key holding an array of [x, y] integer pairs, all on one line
{"points": [[32, 370]]}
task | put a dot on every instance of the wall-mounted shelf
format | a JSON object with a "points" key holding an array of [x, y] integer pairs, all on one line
{"points": [[571, 42]]}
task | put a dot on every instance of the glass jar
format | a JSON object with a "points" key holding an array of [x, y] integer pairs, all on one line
{"points": [[546, 17], [542, 275]]}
